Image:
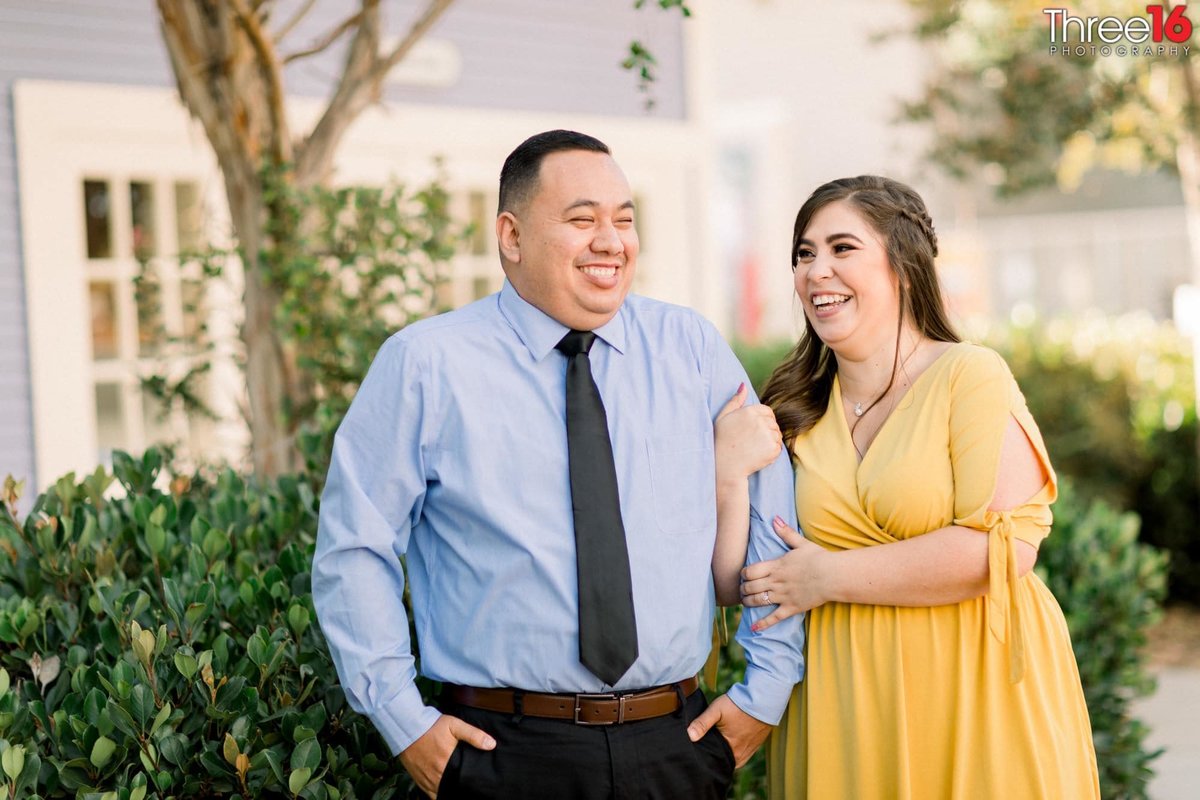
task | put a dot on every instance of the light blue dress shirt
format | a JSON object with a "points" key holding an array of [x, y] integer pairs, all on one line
{"points": [[454, 451]]}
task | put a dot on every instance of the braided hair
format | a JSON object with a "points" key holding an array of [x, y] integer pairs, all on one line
{"points": [[798, 390]]}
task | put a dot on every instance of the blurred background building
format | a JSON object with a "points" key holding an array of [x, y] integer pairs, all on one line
{"points": [[754, 104]]}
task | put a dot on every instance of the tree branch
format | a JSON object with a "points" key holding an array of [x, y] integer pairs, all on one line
{"points": [[201, 81], [426, 21], [358, 87], [269, 67], [325, 42], [300, 14]]}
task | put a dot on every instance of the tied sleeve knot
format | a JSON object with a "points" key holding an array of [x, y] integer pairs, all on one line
{"points": [[1003, 609]]}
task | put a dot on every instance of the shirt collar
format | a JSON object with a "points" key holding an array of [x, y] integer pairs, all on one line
{"points": [[540, 332]]}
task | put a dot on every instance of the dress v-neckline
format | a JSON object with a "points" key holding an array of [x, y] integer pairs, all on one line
{"points": [[836, 399]]}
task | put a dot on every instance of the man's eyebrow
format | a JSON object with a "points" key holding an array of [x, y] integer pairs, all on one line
{"points": [[585, 203], [833, 237]]}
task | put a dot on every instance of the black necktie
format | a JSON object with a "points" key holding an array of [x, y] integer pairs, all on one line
{"points": [[607, 629]]}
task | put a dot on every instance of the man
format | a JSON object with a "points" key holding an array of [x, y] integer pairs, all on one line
{"points": [[565, 613]]}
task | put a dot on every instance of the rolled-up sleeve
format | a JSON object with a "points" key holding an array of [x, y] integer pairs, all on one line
{"points": [[372, 498], [774, 657]]}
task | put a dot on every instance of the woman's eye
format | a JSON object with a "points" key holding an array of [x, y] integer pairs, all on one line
{"points": [[804, 254], [842, 248]]}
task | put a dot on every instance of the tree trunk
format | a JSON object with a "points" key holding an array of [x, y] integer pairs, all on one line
{"points": [[267, 375], [230, 77]]}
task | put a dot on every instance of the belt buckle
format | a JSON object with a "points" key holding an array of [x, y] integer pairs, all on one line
{"points": [[619, 698]]}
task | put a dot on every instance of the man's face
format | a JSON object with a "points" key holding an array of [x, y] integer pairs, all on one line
{"points": [[571, 248]]}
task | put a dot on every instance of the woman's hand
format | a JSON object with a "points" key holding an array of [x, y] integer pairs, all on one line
{"points": [[747, 438], [794, 582]]}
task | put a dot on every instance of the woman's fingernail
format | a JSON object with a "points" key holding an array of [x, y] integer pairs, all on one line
{"points": [[779, 523], [755, 627], [741, 386]]}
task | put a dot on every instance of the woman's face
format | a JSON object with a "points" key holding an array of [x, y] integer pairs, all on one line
{"points": [[844, 281]]}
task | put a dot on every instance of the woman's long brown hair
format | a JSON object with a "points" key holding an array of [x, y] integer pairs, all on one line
{"points": [[798, 390]]}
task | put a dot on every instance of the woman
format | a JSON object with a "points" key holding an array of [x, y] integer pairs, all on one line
{"points": [[939, 665]]}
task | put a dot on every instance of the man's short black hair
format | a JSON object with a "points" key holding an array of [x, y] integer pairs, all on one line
{"points": [[519, 175]]}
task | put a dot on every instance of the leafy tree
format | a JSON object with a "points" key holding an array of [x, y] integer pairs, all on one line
{"points": [[1000, 101], [229, 59]]}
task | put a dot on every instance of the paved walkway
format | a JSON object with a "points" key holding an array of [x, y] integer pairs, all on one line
{"points": [[1173, 716]]}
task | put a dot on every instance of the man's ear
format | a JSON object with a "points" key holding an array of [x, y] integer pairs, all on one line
{"points": [[508, 237]]}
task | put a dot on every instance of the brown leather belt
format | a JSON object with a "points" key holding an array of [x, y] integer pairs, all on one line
{"points": [[611, 708]]}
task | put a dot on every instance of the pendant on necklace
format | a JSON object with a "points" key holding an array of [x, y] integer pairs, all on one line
{"points": [[858, 409]]}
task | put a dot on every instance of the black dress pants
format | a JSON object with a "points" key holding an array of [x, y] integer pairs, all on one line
{"points": [[550, 759]]}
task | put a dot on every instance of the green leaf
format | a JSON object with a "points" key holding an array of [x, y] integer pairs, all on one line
{"points": [[13, 761], [194, 614], [156, 537], [163, 715], [298, 780], [186, 664], [163, 780], [229, 749], [141, 702], [29, 776], [93, 706], [102, 751], [256, 648], [138, 793], [121, 719], [306, 754], [3, 682], [88, 533], [216, 542], [274, 761], [298, 619], [173, 597], [174, 748]]}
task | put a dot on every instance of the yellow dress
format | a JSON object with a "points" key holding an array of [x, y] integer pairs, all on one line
{"points": [[970, 701]]}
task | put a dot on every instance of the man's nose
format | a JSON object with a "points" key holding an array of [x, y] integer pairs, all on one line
{"points": [[608, 240]]}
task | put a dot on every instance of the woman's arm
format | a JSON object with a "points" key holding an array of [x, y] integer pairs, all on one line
{"points": [[746, 439], [733, 532], [944, 566]]}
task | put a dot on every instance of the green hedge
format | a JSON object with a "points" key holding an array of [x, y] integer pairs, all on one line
{"points": [[163, 644], [1116, 403]]}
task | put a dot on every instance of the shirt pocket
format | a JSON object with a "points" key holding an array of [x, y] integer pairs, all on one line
{"points": [[683, 482]]}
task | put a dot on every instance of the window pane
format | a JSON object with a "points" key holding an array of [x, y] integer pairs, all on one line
{"points": [[97, 216], [104, 320], [477, 202], [110, 427], [141, 201], [189, 219]]}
